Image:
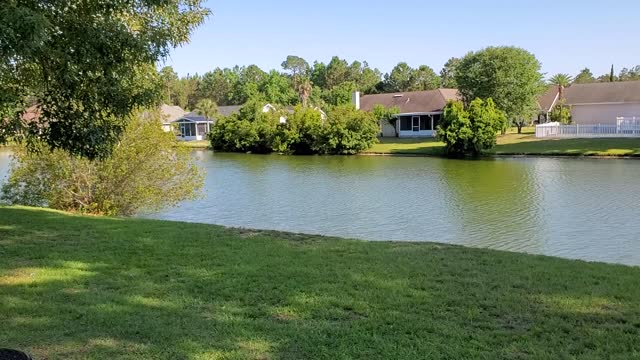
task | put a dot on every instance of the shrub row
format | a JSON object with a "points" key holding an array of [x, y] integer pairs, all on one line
{"points": [[343, 130]]}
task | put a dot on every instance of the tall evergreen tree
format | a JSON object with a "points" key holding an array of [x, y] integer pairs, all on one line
{"points": [[612, 76]]}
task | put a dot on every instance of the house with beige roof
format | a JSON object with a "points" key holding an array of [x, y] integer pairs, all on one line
{"points": [[597, 103], [420, 111]]}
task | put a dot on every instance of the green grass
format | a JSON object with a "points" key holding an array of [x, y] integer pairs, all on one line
{"points": [[74, 287], [519, 144], [197, 144]]}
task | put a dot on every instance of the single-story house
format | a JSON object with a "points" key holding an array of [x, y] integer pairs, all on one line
{"points": [[598, 103], [193, 126], [169, 115], [420, 111], [546, 103]]}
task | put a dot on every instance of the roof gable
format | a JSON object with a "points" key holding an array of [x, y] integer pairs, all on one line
{"points": [[548, 100]]}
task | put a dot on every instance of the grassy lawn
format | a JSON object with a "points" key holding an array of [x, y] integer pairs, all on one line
{"points": [[74, 287], [197, 144], [520, 144]]}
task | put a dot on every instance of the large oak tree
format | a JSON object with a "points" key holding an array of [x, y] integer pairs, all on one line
{"points": [[509, 75], [85, 65]]}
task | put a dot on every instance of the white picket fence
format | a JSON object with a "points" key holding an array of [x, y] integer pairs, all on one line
{"points": [[624, 127]]}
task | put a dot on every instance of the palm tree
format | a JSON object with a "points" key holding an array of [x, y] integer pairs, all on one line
{"points": [[207, 108], [304, 91], [561, 81]]}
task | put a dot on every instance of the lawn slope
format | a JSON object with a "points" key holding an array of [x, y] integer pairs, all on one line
{"points": [[74, 287]]}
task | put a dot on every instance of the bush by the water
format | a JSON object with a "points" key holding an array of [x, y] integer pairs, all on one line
{"points": [[148, 169], [305, 131], [471, 130]]}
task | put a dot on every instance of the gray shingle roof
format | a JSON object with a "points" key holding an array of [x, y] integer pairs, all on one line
{"points": [[609, 92], [194, 116], [228, 110], [412, 101], [547, 100], [171, 113]]}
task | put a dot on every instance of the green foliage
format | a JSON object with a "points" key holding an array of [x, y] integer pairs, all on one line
{"points": [[297, 66], [87, 65], [405, 78], [472, 130], [388, 115], [400, 79], [340, 94], [584, 77], [561, 113], [612, 76], [337, 72], [299, 83], [509, 75], [562, 80], [146, 170], [424, 78], [632, 74], [448, 73], [348, 131], [207, 108], [344, 131]]}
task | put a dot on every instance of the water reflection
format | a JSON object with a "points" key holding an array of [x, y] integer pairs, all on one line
{"points": [[494, 203]]}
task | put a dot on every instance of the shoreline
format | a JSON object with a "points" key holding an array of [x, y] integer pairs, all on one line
{"points": [[247, 232], [486, 156], [413, 154]]}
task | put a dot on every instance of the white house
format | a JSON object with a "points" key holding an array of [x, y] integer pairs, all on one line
{"points": [[420, 111]]}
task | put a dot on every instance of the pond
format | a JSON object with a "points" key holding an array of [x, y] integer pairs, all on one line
{"points": [[574, 208]]}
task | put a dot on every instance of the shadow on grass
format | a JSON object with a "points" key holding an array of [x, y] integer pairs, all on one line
{"points": [[79, 287]]}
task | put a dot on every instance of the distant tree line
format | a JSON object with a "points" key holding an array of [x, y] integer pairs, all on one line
{"points": [[299, 82], [585, 76]]}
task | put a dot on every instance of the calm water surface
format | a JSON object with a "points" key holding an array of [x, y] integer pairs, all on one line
{"points": [[575, 208]]}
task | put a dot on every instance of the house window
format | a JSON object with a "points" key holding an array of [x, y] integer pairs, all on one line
{"points": [[405, 123]]}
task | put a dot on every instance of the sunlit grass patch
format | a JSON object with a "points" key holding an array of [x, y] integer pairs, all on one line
{"points": [[513, 143], [76, 287]]}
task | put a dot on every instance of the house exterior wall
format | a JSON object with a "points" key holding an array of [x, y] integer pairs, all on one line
{"points": [[421, 133], [603, 113], [190, 138], [387, 129]]}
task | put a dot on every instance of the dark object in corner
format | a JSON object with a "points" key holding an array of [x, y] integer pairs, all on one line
{"points": [[8, 354]]}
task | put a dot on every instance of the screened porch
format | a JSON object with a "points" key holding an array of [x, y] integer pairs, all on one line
{"points": [[418, 124]]}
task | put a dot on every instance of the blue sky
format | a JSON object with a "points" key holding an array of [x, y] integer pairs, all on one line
{"points": [[565, 35]]}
